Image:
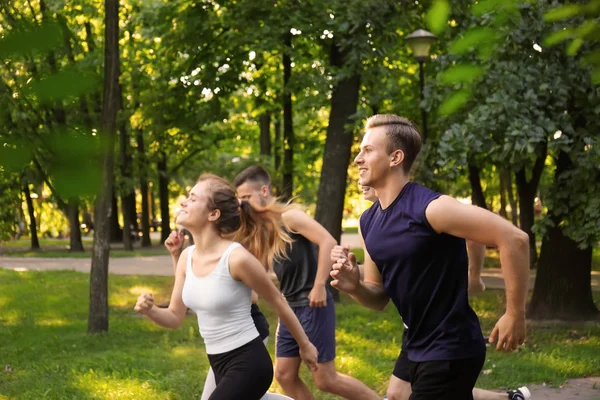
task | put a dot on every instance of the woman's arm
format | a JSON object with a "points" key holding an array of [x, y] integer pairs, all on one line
{"points": [[173, 316], [244, 267]]}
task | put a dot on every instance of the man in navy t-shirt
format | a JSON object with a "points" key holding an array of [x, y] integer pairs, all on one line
{"points": [[415, 255]]}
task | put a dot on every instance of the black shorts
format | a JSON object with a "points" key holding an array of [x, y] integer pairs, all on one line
{"points": [[440, 380], [260, 321], [402, 367], [243, 373]]}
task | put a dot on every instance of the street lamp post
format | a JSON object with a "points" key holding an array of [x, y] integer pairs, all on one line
{"points": [[420, 42]]}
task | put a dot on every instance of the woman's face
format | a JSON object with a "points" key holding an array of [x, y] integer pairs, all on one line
{"points": [[194, 209]]}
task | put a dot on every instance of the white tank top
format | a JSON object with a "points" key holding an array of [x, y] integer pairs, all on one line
{"points": [[222, 305]]}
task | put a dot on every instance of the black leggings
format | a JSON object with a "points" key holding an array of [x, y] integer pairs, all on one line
{"points": [[243, 373]]}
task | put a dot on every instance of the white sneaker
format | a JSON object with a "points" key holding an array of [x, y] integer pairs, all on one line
{"points": [[521, 393]]}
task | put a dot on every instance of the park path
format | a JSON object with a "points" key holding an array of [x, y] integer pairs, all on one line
{"points": [[161, 266]]}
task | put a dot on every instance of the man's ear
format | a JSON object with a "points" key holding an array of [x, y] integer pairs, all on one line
{"points": [[265, 191], [396, 158], [214, 215]]}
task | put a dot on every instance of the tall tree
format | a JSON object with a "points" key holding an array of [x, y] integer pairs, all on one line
{"points": [[527, 190], [340, 135], [288, 121], [163, 194], [35, 243], [98, 315]]}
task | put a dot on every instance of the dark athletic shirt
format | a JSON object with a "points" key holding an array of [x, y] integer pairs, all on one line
{"points": [[425, 275], [297, 273]]}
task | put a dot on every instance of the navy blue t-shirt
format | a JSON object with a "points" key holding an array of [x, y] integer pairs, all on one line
{"points": [[425, 274]]}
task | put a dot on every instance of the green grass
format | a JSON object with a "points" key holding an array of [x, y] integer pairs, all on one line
{"points": [[43, 338], [59, 248]]}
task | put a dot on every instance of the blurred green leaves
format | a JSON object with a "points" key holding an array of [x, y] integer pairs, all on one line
{"points": [[476, 38], [75, 163], [70, 82], [455, 101], [14, 157], [30, 39], [437, 16], [563, 12], [461, 73]]}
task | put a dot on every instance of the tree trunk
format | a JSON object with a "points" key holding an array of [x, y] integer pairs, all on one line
{"points": [[277, 144], [163, 193], [75, 242], [288, 125], [503, 185], [332, 186], [126, 176], [527, 190], [277, 149], [265, 134], [514, 211], [338, 147], [145, 219], [35, 243], [98, 316], [116, 233], [563, 288], [477, 195]]}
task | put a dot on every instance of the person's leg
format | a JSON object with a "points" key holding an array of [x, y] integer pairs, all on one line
{"points": [[244, 373], [476, 252], [319, 325], [209, 385], [480, 394], [398, 389], [329, 380], [287, 375], [287, 364]]}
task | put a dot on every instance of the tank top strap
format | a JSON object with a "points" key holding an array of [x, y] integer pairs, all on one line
{"points": [[223, 265], [188, 268]]}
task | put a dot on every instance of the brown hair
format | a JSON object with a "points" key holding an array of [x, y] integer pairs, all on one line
{"points": [[255, 173], [401, 133], [259, 229]]}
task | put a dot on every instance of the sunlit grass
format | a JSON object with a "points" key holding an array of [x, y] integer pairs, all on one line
{"points": [[43, 324]]}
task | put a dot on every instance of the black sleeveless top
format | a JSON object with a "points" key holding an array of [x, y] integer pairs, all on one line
{"points": [[297, 272], [425, 275]]}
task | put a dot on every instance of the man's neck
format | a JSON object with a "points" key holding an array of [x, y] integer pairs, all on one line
{"points": [[389, 190]]}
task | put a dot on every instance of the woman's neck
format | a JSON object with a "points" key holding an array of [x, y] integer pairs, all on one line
{"points": [[206, 240]]}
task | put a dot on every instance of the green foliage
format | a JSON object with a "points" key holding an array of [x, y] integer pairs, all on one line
{"points": [[527, 98], [437, 16], [454, 102], [28, 39], [69, 83]]}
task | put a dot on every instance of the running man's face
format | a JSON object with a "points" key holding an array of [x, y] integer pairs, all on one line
{"points": [[368, 193], [254, 192], [373, 160]]}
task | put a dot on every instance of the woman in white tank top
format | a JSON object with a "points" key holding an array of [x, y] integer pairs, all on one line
{"points": [[216, 277]]}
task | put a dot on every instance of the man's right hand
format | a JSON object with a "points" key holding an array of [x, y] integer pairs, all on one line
{"points": [[339, 252], [174, 243], [345, 274]]}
